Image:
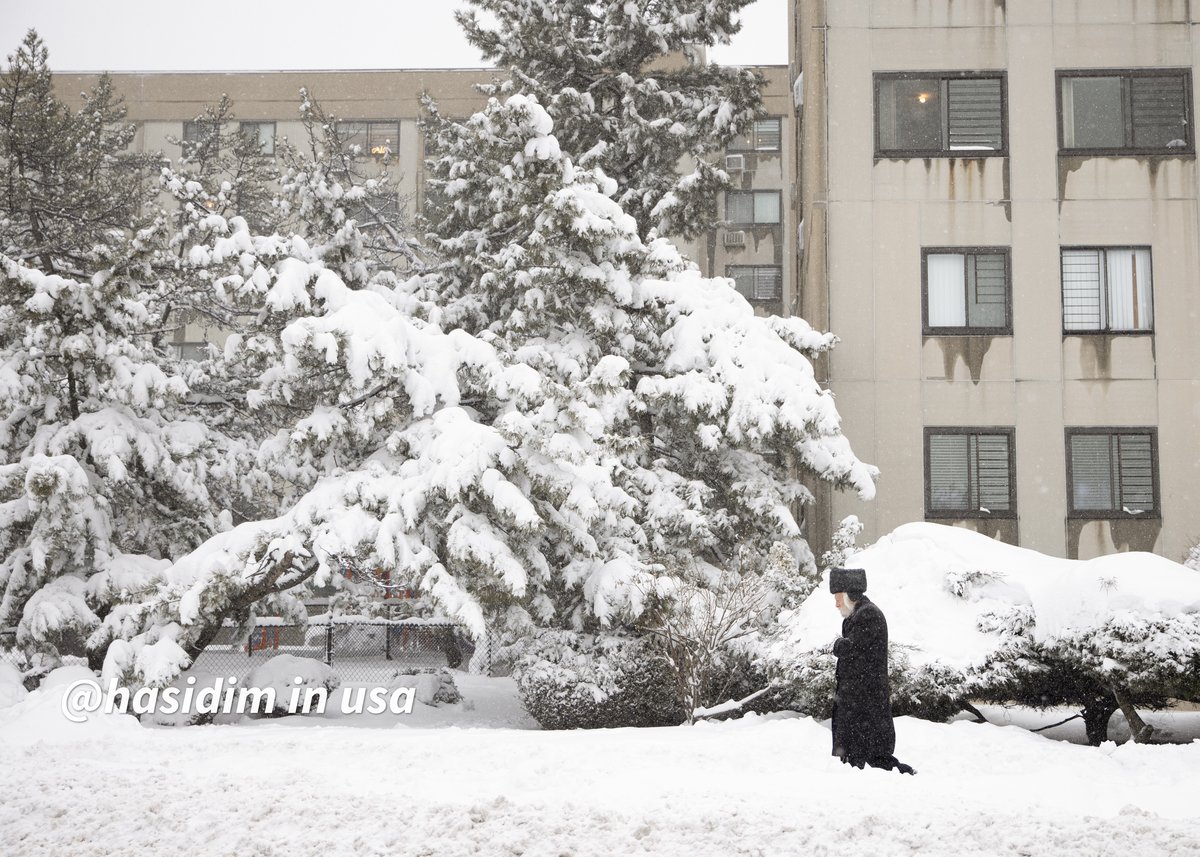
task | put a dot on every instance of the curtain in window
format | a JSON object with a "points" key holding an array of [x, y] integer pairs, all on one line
{"points": [[945, 274], [1130, 303]]}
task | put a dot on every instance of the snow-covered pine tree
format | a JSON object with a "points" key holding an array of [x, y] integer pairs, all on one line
{"points": [[101, 472], [598, 409], [98, 462], [699, 412], [628, 93], [343, 200], [69, 182], [1124, 661], [225, 170]]}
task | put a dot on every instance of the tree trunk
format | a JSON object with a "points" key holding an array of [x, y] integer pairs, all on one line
{"points": [[1141, 731], [971, 709], [1095, 718]]}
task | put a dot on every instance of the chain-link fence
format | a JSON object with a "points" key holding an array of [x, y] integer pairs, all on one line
{"points": [[8, 649], [359, 649]]}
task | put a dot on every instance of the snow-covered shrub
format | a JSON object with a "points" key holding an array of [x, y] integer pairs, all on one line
{"points": [[843, 542], [280, 674], [1192, 560], [806, 684], [196, 681], [697, 622], [569, 680], [974, 617], [430, 687], [447, 692]]}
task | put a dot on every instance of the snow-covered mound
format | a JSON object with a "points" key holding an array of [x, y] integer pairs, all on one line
{"points": [[39, 717], [949, 594], [12, 690], [284, 674]]}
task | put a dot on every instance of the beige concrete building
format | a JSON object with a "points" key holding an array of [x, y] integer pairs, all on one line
{"points": [[999, 203]]}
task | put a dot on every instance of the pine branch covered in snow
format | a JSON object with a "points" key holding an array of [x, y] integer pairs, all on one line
{"points": [[628, 93]]}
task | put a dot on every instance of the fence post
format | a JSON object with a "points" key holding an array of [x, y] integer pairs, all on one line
{"points": [[387, 635], [329, 642]]}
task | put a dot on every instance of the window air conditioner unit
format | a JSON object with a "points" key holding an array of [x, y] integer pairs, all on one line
{"points": [[735, 163], [735, 239]]}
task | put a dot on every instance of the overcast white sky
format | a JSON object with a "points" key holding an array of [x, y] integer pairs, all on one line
{"points": [[162, 35]]}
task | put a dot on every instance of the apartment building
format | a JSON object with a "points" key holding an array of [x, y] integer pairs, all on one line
{"points": [[999, 209]]}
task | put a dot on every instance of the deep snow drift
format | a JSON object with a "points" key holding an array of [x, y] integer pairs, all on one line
{"points": [[759, 786]]}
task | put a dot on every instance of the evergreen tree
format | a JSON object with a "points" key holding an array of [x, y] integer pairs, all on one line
{"points": [[69, 187], [600, 414], [629, 94], [341, 198], [102, 469]]}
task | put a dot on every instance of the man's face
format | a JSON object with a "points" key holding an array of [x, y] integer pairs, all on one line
{"points": [[844, 605]]}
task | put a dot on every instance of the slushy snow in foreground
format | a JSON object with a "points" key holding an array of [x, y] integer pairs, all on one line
{"points": [[759, 786]]}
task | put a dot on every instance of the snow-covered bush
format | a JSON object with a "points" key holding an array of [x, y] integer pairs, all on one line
{"points": [[280, 675], [572, 680], [805, 683], [972, 617], [698, 622], [431, 686], [843, 542], [447, 692], [1192, 560]]}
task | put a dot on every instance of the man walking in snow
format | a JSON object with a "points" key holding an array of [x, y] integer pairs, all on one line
{"points": [[863, 733]]}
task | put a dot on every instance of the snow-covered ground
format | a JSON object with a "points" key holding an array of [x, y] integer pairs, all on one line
{"points": [[759, 786]]}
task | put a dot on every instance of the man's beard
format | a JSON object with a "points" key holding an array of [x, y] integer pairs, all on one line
{"points": [[847, 608]]}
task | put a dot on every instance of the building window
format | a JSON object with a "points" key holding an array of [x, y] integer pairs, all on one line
{"points": [[750, 207], [197, 134], [1107, 289], [918, 115], [264, 132], [1112, 473], [764, 135], [967, 291], [191, 350], [376, 139], [969, 473], [1140, 111], [757, 283]]}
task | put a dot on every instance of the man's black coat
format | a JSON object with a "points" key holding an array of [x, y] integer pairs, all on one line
{"points": [[862, 711]]}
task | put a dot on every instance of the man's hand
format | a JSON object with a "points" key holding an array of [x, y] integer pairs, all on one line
{"points": [[840, 646]]}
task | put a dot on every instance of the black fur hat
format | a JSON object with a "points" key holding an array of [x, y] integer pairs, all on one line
{"points": [[852, 581]]}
